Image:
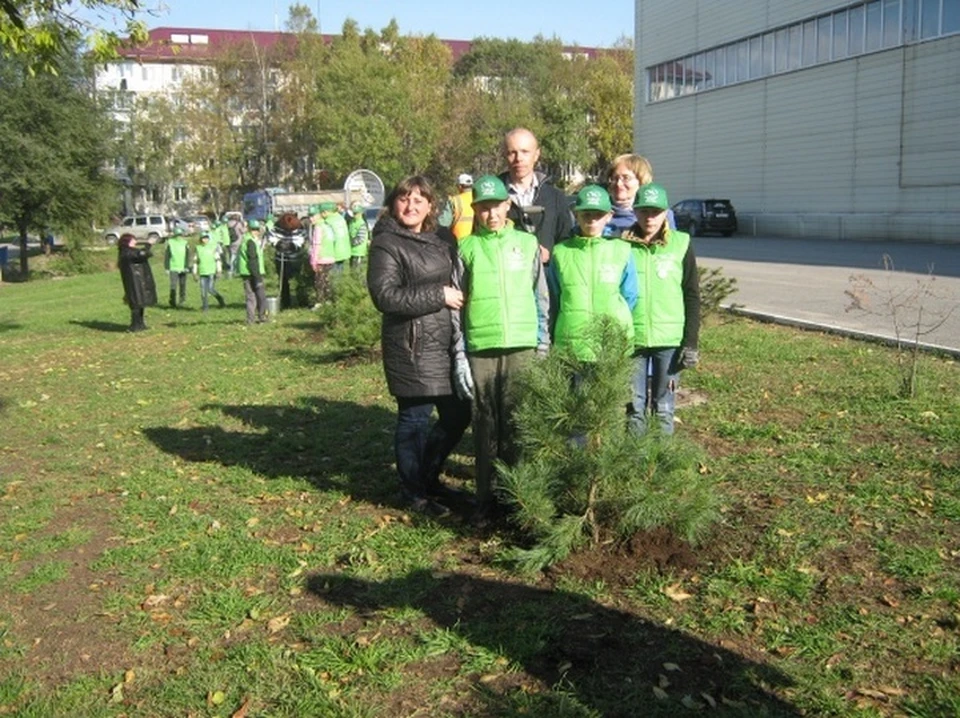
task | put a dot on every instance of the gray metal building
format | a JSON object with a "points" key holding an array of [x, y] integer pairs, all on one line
{"points": [[817, 119]]}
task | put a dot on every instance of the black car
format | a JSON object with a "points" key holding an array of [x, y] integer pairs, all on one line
{"points": [[699, 216]]}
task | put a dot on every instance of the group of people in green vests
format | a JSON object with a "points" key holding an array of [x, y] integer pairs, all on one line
{"points": [[462, 315]]}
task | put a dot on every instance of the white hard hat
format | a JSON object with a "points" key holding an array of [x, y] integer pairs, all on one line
{"points": [[465, 180]]}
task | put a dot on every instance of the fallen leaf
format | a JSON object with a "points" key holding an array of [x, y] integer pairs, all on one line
{"points": [[871, 693], [241, 712], [278, 623], [709, 699], [676, 593], [671, 667], [663, 681], [689, 702], [129, 676], [660, 693], [116, 693], [153, 601], [216, 698]]}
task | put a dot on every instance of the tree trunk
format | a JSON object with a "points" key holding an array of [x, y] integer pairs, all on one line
{"points": [[23, 253]]}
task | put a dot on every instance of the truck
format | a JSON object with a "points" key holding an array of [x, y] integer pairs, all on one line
{"points": [[277, 201]]}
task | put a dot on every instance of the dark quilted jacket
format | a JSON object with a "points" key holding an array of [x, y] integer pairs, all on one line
{"points": [[406, 274]]}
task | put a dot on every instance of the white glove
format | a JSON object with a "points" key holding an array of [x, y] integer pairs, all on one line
{"points": [[463, 378]]}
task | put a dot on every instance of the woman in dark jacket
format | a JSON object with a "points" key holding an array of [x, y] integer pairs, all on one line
{"points": [[139, 290], [409, 274]]}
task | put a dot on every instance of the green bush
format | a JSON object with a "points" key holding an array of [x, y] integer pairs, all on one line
{"points": [[714, 289], [584, 477], [350, 321]]}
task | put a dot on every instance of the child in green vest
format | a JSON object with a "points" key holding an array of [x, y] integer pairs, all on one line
{"points": [[176, 262], [667, 322], [359, 235], [206, 266], [589, 276], [502, 323]]}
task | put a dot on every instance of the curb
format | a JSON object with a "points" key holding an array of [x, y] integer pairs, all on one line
{"points": [[839, 331]]}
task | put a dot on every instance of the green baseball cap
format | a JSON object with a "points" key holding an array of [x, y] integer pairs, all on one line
{"points": [[489, 188], [328, 206], [356, 207], [204, 235], [177, 231], [253, 224], [314, 209], [592, 198], [651, 195]]}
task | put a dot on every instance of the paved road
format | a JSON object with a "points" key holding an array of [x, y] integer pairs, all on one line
{"points": [[805, 280]]}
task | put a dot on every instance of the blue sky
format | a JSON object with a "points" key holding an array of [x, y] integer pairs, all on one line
{"points": [[583, 23]]}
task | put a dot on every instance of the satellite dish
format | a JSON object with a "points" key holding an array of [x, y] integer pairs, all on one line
{"points": [[365, 187]]}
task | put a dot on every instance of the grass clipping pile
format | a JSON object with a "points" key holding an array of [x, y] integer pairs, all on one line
{"points": [[585, 482]]}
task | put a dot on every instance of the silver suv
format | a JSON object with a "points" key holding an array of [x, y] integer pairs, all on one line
{"points": [[150, 228]]}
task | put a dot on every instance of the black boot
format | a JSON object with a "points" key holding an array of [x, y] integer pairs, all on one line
{"points": [[221, 301], [173, 298]]}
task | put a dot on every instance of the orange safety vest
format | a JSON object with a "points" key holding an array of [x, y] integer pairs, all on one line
{"points": [[462, 214]]}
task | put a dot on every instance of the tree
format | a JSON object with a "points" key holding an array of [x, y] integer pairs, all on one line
{"points": [[149, 150], [584, 478], [40, 31], [55, 141], [377, 101]]}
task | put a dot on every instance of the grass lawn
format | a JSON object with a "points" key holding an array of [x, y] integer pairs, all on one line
{"points": [[201, 520]]}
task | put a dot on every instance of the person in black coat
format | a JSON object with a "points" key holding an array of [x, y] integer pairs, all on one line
{"points": [[139, 289], [409, 272]]}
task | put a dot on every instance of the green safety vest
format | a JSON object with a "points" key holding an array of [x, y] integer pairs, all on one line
{"points": [[501, 308], [243, 262], [589, 272], [221, 234], [177, 254], [207, 258], [359, 236], [341, 236], [658, 316]]}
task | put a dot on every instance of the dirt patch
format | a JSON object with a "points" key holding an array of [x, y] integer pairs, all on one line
{"points": [[618, 563], [61, 627]]}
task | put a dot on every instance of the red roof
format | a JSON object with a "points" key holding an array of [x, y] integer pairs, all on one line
{"points": [[190, 44]]}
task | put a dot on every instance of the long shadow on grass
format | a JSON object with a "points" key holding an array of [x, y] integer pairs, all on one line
{"points": [[608, 660], [332, 444], [101, 326]]}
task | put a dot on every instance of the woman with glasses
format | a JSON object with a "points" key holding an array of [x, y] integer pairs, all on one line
{"points": [[624, 177]]}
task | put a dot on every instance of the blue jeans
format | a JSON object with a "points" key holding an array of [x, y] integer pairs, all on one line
{"points": [[420, 448], [659, 365]]}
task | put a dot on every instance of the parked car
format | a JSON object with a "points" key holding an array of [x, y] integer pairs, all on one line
{"points": [[699, 216], [199, 223], [151, 228], [178, 223]]}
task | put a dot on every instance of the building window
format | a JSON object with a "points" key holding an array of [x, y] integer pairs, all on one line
{"points": [[865, 27], [951, 17], [840, 35], [179, 193]]}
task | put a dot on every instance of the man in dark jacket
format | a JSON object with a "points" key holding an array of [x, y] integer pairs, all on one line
{"points": [[535, 205]]}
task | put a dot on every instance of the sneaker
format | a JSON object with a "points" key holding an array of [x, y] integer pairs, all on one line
{"points": [[448, 493], [429, 507]]}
